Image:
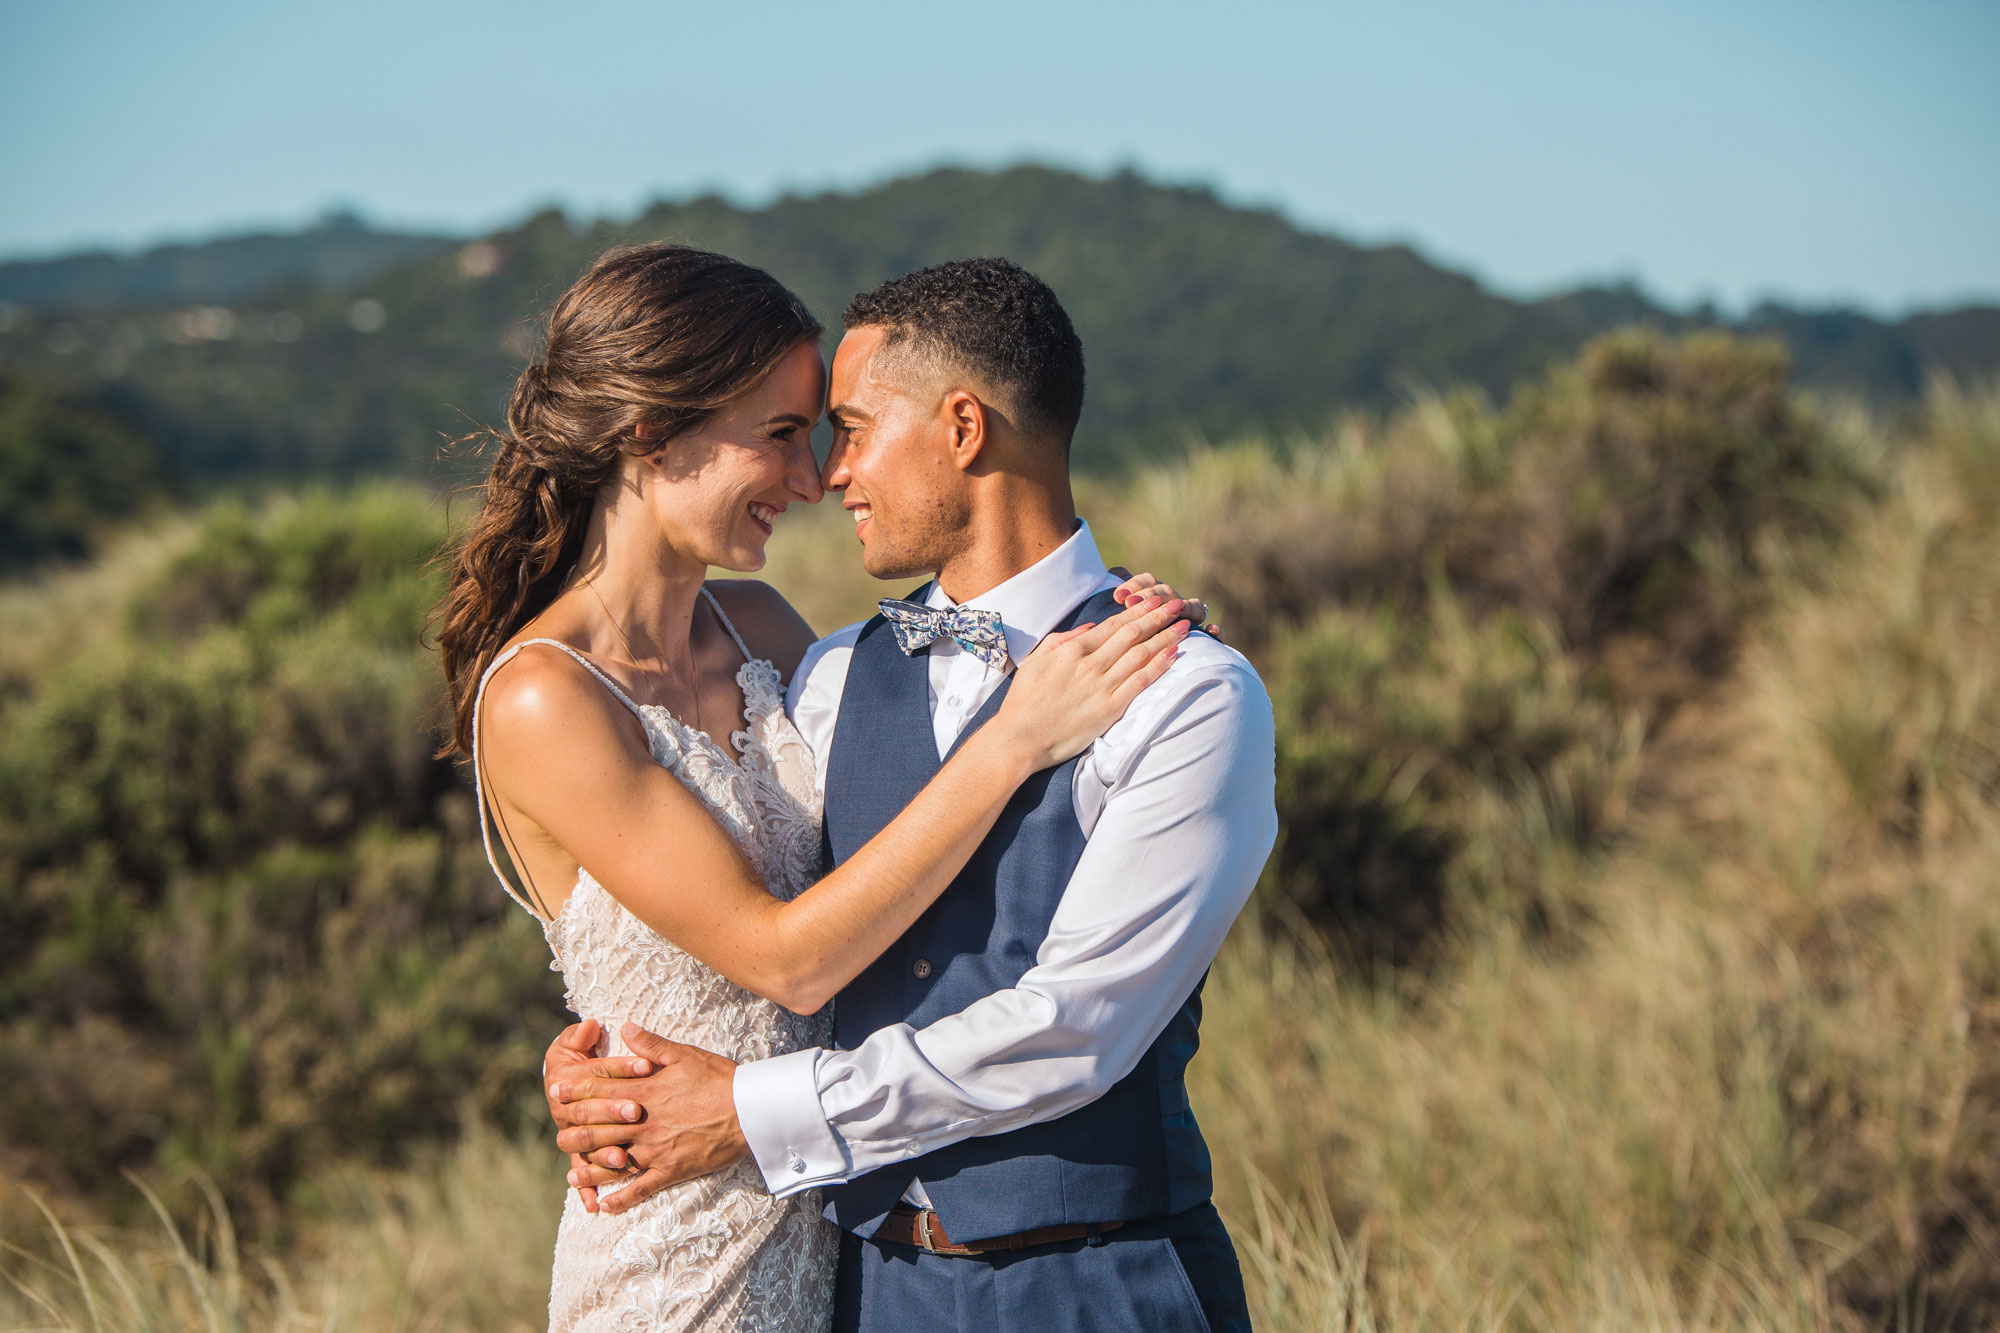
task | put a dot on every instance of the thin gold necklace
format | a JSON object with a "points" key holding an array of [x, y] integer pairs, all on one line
{"points": [[694, 677]]}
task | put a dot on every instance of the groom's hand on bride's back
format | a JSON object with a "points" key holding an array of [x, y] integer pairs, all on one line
{"points": [[672, 1122]]}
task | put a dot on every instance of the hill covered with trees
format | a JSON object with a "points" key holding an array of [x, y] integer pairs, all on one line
{"points": [[339, 250], [345, 352]]}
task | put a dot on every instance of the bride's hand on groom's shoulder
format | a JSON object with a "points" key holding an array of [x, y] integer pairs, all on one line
{"points": [[1078, 682], [661, 1116], [1138, 587]]}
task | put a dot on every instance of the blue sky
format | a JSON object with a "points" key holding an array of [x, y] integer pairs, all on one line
{"points": [[1826, 152]]}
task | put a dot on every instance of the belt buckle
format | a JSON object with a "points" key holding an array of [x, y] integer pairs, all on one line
{"points": [[924, 1241]]}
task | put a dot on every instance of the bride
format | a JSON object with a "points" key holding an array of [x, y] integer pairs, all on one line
{"points": [[624, 718]]}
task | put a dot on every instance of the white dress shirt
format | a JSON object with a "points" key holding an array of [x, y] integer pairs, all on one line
{"points": [[1176, 801]]}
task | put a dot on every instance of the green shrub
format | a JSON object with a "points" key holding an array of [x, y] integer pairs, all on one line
{"points": [[1640, 484], [1431, 760], [1469, 619], [243, 890]]}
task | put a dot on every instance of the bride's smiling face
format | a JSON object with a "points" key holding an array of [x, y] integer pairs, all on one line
{"points": [[716, 490]]}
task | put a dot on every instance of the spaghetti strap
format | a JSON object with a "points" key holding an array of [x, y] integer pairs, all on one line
{"points": [[478, 773], [716, 607], [583, 662]]}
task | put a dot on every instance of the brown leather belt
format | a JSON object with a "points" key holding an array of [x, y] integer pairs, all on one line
{"points": [[921, 1228]]}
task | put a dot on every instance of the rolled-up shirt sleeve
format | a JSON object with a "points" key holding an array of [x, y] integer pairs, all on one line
{"points": [[1177, 838]]}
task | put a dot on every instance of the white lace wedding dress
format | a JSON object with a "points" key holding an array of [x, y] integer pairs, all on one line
{"points": [[718, 1252]]}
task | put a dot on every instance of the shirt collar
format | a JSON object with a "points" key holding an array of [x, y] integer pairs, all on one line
{"points": [[1034, 601]]}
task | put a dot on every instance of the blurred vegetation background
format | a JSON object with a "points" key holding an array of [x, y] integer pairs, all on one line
{"points": [[1630, 956]]}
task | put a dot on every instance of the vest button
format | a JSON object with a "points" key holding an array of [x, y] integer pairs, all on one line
{"points": [[922, 969]]}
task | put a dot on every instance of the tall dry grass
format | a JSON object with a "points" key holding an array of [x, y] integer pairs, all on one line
{"points": [[462, 1242]]}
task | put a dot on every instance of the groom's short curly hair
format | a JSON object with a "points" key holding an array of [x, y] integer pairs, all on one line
{"points": [[994, 320]]}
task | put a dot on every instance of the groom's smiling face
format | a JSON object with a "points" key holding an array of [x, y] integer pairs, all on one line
{"points": [[891, 456]]}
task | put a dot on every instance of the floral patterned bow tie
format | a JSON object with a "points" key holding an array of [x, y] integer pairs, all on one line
{"points": [[918, 626]]}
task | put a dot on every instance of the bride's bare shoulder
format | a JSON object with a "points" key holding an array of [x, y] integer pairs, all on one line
{"points": [[771, 625], [539, 692]]}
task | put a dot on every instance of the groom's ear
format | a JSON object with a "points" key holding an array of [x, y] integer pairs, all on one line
{"points": [[967, 427]]}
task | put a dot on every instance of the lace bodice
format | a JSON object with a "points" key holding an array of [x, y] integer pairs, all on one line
{"points": [[718, 1252]]}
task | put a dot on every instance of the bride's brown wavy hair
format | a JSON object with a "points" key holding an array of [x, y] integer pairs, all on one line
{"points": [[656, 335]]}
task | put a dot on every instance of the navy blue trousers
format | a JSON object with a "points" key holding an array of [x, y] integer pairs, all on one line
{"points": [[1174, 1275]]}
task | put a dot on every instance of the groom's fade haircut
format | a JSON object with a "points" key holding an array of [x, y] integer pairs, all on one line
{"points": [[993, 320]]}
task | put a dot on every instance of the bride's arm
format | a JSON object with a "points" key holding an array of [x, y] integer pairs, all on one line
{"points": [[560, 750]]}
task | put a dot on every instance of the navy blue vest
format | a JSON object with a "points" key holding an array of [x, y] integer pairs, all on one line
{"points": [[1136, 1152]]}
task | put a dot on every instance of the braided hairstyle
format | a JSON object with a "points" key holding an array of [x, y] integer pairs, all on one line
{"points": [[661, 336]]}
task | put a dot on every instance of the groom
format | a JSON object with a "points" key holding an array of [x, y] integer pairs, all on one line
{"points": [[1003, 1131]]}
